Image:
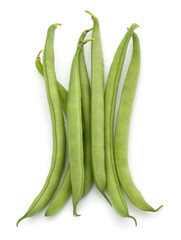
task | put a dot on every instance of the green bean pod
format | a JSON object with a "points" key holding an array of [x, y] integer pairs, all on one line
{"points": [[75, 132], [65, 190], [58, 129], [97, 109], [122, 130], [112, 84], [86, 117]]}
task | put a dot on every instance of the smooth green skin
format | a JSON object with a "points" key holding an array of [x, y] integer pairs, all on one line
{"points": [[65, 190], [75, 132], [62, 196], [122, 130], [86, 106], [113, 186], [97, 109], [86, 117], [58, 129]]}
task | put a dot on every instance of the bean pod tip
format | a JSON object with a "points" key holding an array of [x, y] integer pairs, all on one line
{"points": [[87, 30], [134, 220], [134, 25], [156, 210], [85, 41], [17, 224], [75, 213], [57, 24], [94, 18], [38, 56]]}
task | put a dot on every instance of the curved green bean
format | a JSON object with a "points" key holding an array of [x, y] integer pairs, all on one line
{"points": [[122, 130], [97, 109], [58, 129], [64, 192], [114, 75]]}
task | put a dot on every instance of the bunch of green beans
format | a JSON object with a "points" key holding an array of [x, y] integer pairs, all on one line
{"points": [[94, 154]]}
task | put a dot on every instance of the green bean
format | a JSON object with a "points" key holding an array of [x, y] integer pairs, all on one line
{"points": [[64, 192], [75, 135], [61, 90], [114, 75], [122, 130], [97, 109], [58, 129], [86, 117]]}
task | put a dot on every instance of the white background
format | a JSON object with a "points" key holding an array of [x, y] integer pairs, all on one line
{"points": [[25, 125]]}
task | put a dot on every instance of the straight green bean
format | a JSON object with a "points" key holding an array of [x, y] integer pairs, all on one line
{"points": [[97, 109], [75, 132]]}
